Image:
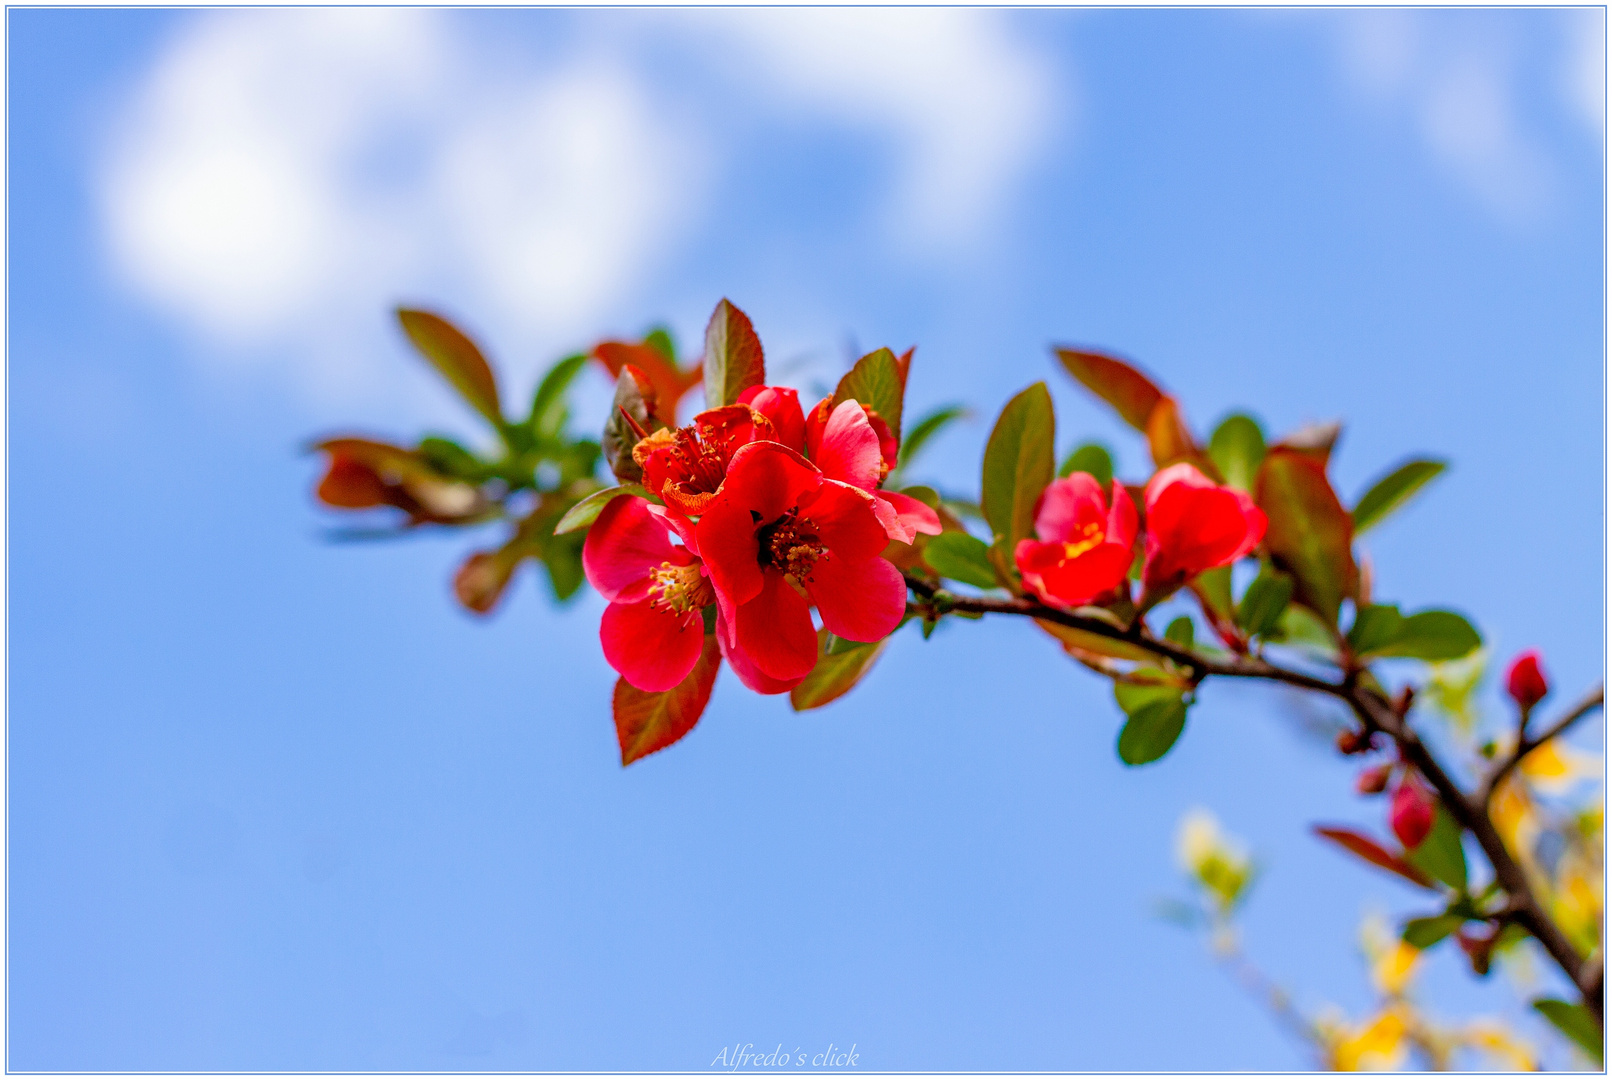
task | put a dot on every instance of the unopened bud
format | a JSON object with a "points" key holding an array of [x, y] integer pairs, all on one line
{"points": [[1374, 780], [1525, 682], [1352, 741], [1411, 815]]}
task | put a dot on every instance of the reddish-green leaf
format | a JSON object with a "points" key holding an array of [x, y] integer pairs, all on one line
{"points": [[635, 398], [648, 722], [733, 359], [587, 511], [1131, 393], [457, 358], [1310, 532], [669, 381], [1368, 849], [1078, 642], [876, 381], [1313, 440], [482, 579], [1019, 464], [838, 670]]}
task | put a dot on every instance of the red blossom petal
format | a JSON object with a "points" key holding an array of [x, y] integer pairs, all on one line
{"points": [[775, 630], [1525, 681], [651, 648], [859, 601], [781, 405], [1068, 505], [727, 543], [848, 450], [1122, 519], [745, 668], [624, 545], [768, 478], [846, 521], [904, 517], [1072, 582], [682, 526], [1194, 525], [816, 421]]}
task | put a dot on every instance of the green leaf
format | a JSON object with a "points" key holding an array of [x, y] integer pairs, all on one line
{"points": [[1425, 933], [457, 358], [1237, 447], [1260, 610], [563, 560], [1441, 854], [1151, 731], [659, 338], [1577, 1023], [1180, 631], [1376, 626], [1092, 458], [961, 557], [1309, 533], [875, 381], [1133, 696], [451, 459], [1433, 635], [1087, 642], [840, 666], [733, 358], [1393, 490], [587, 511], [548, 404], [647, 722], [1132, 394], [1018, 467], [925, 430]]}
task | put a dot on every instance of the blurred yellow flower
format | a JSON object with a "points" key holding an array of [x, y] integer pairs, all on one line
{"points": [[1218, 862]]}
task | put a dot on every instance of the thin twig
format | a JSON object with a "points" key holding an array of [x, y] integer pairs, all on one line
{"points": [[1591, 701]]}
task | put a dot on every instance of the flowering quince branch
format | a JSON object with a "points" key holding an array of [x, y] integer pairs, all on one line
{"points": [[720, 539]]}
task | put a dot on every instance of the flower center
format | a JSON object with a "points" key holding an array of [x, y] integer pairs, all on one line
{"points": [[791, 544], [1087, 537], [680, 589]]}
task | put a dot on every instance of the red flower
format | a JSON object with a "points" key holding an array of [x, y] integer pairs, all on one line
{"points": [[846, 446], [777, 526], [1411, 814], [1194, 525], [781, 406], [684, 467], [653, 630], [1085, 546], [1525, 682]]}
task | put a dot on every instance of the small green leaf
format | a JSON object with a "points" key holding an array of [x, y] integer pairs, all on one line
{"points": [[1577, 1023], [733, 357], [961, 557], [563, 560], [1309, 533], [451, 459], [925, 430], [1018, 467], [1180, 631], [1260, 610], [457, 358], [876, 382], [1376, 626], [1092, 458], [1425, 933], [1393, 490], [587, 511], [1237, 447], [840, 666], [1132, 696], [548, 404], [660, 339], [1441, 854], [1151, 731]]}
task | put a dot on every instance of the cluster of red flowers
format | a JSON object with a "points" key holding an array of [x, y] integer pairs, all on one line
{"points": [[775, 512], [1086, 541]]}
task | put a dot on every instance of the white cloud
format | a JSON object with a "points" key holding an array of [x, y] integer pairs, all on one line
{"points": [[1584, 71], [1454, 79], [967, 102], [284, 176]]}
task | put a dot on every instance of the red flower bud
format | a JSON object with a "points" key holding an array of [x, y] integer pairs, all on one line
{"points": [[1351, 741], [1374, 780], [1411, 814], [1525, 682]]}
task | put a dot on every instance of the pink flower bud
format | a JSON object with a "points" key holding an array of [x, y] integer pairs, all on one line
{"points": [[1411, 814], [1373, 781], [1525, 682]]}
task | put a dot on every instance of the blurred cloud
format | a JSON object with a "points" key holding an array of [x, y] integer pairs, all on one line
{"points": [[1460, 88], [281, 177], [1584, 73]]}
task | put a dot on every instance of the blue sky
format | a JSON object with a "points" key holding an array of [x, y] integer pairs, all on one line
{"points": [[277, 804]]}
